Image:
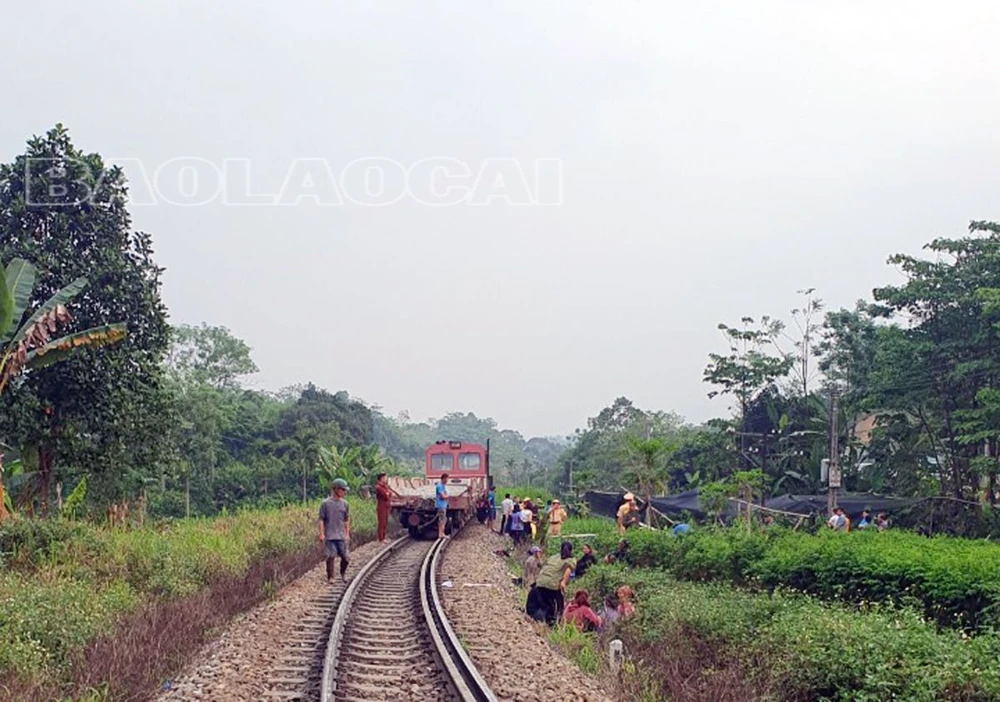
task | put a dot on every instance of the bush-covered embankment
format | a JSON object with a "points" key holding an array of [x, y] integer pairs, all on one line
{"points": [[698, 641], [85, 609], [955, 582]]}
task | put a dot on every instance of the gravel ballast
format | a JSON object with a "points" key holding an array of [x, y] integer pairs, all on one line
{"points": [[260, 654], [260, 647], [484, 608]]}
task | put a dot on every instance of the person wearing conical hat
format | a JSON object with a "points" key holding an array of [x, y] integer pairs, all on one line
{"points": [[557, 515], [628, 513]]}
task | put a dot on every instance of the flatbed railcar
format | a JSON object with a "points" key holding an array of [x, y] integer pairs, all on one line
{"points": [[468, 469]]}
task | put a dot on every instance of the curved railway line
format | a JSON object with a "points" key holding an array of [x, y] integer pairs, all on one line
{"points": [[390, 638]]}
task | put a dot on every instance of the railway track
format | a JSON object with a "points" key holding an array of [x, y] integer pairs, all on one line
{"points": [[390, 639]]}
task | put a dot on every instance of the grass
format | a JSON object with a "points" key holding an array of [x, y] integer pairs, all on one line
{"points": [[85, 608], [698, 640], [577, 646]]}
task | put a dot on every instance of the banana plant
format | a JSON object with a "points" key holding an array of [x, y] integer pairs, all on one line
{"points": [[33, 343], [13, 469], [371, 461], [336, 463]]}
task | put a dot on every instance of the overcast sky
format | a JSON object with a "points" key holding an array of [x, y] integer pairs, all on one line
{"points": [[715, 158]]}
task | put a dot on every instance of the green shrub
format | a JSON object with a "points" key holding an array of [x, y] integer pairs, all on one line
{"points": [[30, 543], [44, 618], [538, 495], [955, 582], [807, 649]]}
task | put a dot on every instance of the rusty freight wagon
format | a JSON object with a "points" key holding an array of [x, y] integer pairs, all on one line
{"points": [[468, 471]]}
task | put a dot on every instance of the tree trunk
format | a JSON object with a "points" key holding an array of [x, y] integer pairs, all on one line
{"points": [[956, 466], [992, 443], [44, 478], [187, 495], [3, 501]]}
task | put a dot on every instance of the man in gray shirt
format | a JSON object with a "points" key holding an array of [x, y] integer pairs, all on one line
{"points": [[335, 528]]}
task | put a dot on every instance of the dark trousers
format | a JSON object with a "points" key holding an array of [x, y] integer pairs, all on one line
{"points": [[503, 524], [382, 515], [535, 605], [551, 603]]}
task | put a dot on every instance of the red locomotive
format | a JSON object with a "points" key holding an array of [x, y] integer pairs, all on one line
{"points": [[468, 469]]}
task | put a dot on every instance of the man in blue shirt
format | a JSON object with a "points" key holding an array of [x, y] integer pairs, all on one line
{"points": [[491, 515], [441, 503]]}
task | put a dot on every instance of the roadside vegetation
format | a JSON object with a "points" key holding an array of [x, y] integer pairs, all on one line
{"points": [[538, 495], [115, 610], [708, 625], [696, 639], [952, 581]]}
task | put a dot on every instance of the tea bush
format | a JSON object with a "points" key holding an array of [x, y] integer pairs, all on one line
{"points": [[955, 582], [805, 649]]}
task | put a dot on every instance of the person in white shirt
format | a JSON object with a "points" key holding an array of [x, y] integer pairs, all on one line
{"points": [[838, 522], [508, 507], [527, 519]]}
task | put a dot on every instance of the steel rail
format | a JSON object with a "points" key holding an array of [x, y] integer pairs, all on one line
{"points": [[468, 683], [329, 683]]}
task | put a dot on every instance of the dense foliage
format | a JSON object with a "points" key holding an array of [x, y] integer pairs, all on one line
{"points": [[954, 582], [63, 584], [793, 647], [63, 211], [847, 633], [915, 373]]}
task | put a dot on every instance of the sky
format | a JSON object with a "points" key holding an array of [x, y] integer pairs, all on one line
{"points": [[519, 209]]}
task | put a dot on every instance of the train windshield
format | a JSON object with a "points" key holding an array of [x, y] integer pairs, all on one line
{"points": [[469, 462], [442, 462]]}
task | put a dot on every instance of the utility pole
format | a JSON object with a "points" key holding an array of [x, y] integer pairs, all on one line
{"points": [[833, 481]]}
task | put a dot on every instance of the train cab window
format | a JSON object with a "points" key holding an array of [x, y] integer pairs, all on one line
{"points": [[468, 461], [442, 462]]}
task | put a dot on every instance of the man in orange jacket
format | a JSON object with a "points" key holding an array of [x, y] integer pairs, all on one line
{"points": [[383, 505]]}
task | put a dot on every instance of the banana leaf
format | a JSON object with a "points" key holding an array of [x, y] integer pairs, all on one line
{"points": [[19, 280], [60, 349], [61, 297], [6, 305]]}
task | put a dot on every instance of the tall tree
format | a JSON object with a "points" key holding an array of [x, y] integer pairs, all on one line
{"points": [[30, 345], [647, 469], [846, 351], [807, 324], [948, 358], [210, 355], [752, 365], [65, 212]]}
